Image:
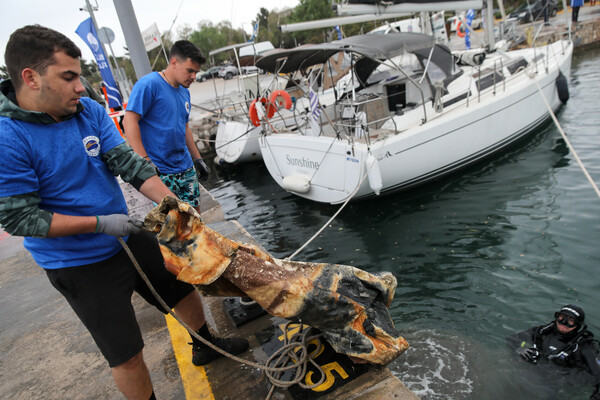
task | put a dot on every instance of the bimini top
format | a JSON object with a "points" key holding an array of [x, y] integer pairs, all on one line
{"points": [[378, 47]]}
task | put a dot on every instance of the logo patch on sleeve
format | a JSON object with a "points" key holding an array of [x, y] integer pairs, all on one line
{"points": [[92, 145]]}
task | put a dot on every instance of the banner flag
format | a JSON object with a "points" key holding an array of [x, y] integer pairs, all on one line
{"points": [[254, 32], [151, 37], [87, 32]]}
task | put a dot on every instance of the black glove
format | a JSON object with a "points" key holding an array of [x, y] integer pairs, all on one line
{"points": [[201, 169], [530, 354], [596, 394], [117, 225]]}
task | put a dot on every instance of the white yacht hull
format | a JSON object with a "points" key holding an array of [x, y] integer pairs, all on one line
{"points": [[335, 169], [237, 142]]}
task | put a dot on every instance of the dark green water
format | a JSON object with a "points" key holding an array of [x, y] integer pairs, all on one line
{"points": [[492, 250]]}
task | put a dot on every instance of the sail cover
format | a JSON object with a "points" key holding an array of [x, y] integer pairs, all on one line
{"points": [[379, 47], [348, 305]]}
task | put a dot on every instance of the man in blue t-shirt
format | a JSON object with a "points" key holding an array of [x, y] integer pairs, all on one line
{"points": [[58, 189], [156, 123]]}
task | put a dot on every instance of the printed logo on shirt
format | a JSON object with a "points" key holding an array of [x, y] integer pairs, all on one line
{"points": [[92, 145], [187, 107]]}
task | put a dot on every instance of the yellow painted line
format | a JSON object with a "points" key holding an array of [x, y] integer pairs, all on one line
{"points": [[195, 382]]}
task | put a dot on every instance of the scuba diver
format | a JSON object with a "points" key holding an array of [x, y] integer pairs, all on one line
{"points": [[565, 341]]}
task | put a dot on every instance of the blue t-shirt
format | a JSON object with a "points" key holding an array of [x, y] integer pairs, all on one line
{"points": [[63, 163], [164, 112]]}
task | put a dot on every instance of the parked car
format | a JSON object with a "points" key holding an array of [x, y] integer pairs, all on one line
{"points": [[251, 69], [534, 11], [210, 73], [228, 72]]}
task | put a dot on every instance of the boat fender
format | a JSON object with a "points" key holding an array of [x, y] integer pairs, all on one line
{"points": [[374, 174], [459, 32], [295, 183], [253, 112], [281, 97], [562, 87]]}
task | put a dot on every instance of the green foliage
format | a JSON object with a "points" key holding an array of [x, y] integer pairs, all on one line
{"points": [[308, 10], [211, 37]]}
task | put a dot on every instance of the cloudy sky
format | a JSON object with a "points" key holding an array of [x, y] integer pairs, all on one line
{"points": [[64, 16]]}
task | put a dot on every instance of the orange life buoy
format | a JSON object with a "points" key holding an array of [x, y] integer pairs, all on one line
{"points": [[458, 31], [281, 97], [253, 113]]}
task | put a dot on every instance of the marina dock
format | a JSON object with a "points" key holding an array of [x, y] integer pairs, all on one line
{"points": [[46, 351]]}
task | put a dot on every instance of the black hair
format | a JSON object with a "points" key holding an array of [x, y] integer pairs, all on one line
{"points": [[184, 49], [33, 46]]}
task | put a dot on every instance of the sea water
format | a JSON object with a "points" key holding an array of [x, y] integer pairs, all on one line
{"points": [[479, 255]]}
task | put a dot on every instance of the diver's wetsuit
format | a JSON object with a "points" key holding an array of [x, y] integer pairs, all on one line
{"points": [[575, 349]]}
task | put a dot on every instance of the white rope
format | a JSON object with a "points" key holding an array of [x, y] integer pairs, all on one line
{"points": [[294, 350], [564, 135], [334, 215]]}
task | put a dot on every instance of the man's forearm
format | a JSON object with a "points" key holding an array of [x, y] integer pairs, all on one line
{"points": [[191, 145], [64, 225], [154, 189], [133, 133]]}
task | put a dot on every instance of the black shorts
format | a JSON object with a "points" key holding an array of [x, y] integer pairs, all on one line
{"points": [[100, 294]]}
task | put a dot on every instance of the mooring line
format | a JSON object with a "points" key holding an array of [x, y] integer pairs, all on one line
{"points": [[294, 350], [564, 136]]}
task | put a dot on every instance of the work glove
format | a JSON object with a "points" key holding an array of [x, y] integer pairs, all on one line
{"points": [[530, 354], [117, 225], [201, 169]]}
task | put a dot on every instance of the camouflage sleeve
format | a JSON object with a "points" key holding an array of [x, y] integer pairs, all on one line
{"points": [[21, 216], [122, 161]]}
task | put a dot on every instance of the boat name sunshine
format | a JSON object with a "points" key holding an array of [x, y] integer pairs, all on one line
{"points": [[301, 162]]}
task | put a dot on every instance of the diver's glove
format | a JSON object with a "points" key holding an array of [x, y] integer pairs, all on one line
{"points": [[596, 394], [201, 169], [117, 225], [530, 354]]}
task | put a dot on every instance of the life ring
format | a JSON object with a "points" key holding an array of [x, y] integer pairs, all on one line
{"points": [[281, 97], [458, 31], [253, 112]]}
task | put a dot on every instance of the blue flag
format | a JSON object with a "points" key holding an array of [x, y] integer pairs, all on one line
{"points": [[339, 32], [87, 32]]}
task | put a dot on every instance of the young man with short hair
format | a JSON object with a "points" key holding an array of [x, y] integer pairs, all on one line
{"points": [[156, 122], [59, 191]]}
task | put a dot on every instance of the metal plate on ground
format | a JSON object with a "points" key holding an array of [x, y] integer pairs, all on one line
{"points": [[242, 312], [339, 369]]}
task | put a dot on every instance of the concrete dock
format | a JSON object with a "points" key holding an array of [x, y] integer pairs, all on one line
{"points": [[45, 351]]}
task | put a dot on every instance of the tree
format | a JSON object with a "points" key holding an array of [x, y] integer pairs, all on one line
{"points": [[308, 10], [210, 37]]}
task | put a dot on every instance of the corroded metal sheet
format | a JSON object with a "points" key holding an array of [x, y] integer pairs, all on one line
{"points": [[348, 305]]}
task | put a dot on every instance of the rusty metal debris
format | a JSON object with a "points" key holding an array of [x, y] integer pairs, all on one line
{"points": [[348, 305]]}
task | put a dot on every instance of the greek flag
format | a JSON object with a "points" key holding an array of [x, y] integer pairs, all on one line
{"points": [[87, 32], [315, 112]]}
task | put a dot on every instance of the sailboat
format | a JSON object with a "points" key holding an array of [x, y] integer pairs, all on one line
{"points": [[410, 113]]}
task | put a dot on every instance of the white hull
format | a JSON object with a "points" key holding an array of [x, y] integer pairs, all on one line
{"points": [[462, 134], [237, 142]]}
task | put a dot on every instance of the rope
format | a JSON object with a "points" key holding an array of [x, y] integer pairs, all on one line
{"points": [[295, 348], [564, 136], [334, 215]]}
